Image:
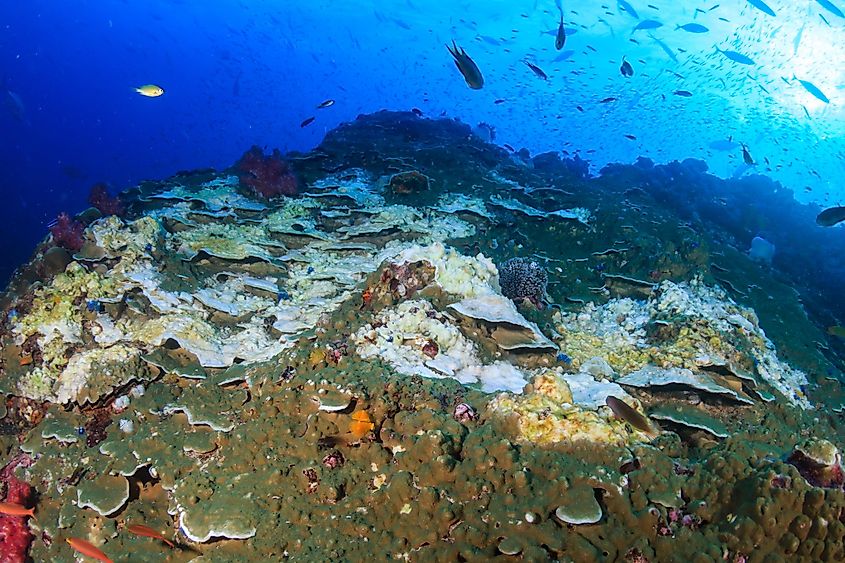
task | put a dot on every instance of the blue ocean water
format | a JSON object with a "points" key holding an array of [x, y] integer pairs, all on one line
{"points": [[707, 78]]}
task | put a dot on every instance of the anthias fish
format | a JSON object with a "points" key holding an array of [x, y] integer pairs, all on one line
{"points": [[88, 549], [467, 66], [146, 531], [15, 509]]}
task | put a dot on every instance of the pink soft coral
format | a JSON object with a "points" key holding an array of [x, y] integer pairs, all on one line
{"points": [[268, 176], [15, 536], [67, 233], [105, 203]]}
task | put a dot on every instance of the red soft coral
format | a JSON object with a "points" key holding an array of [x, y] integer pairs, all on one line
{"points": [[268, 176], [105, 203], [15, 536], [67, 233]]}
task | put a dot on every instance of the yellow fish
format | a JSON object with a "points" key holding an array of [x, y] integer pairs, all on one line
{"points": [[150, 90]]}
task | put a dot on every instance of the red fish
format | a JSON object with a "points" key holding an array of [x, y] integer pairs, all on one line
{"points": [[87, 548], [15, 509], [146, 531]]}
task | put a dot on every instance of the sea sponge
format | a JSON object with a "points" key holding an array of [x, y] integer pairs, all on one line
{"points": [[523, 278]]}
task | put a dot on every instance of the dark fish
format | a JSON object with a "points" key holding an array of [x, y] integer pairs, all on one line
{"points": [[762, 6], [830, 217], [627, 8], [467, 67], [831, 8], [683, 93], [510, 148], [607, 100], [536, 70], [326, 104], [692, 28], [626, 69], [579, 108], [746, 156], [633, 138], [307, 122], [624, 412], [811, 88], [736, 57], [417, 111], [499, 101], [647, 24], [560, 39]]}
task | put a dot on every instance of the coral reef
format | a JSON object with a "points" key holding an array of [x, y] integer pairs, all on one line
{"points": [[260, 380], [268, 176]]}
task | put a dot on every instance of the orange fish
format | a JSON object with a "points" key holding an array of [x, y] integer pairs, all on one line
{"points": [[26, 360], [88, 549], [15, 509], [146, 531], [361, 424]]}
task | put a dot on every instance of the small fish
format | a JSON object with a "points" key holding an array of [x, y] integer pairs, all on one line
{"points": [[146, 531], [88, 549], [607, 100], [762, 6], [626, 69], [510, 148], [15, 509], [683, 93], [150, 90], [647, 24], [831, 8], [736, 57], [326, 104], [536, 70], [633, 138], [824, 19], [625, 412], [499, 101], [831, 216], [361, 424], [307, 122], [813, 89], [417, 111], [560, 38], [24, 361], [746, 156], [466, 66], [692, 28]]}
